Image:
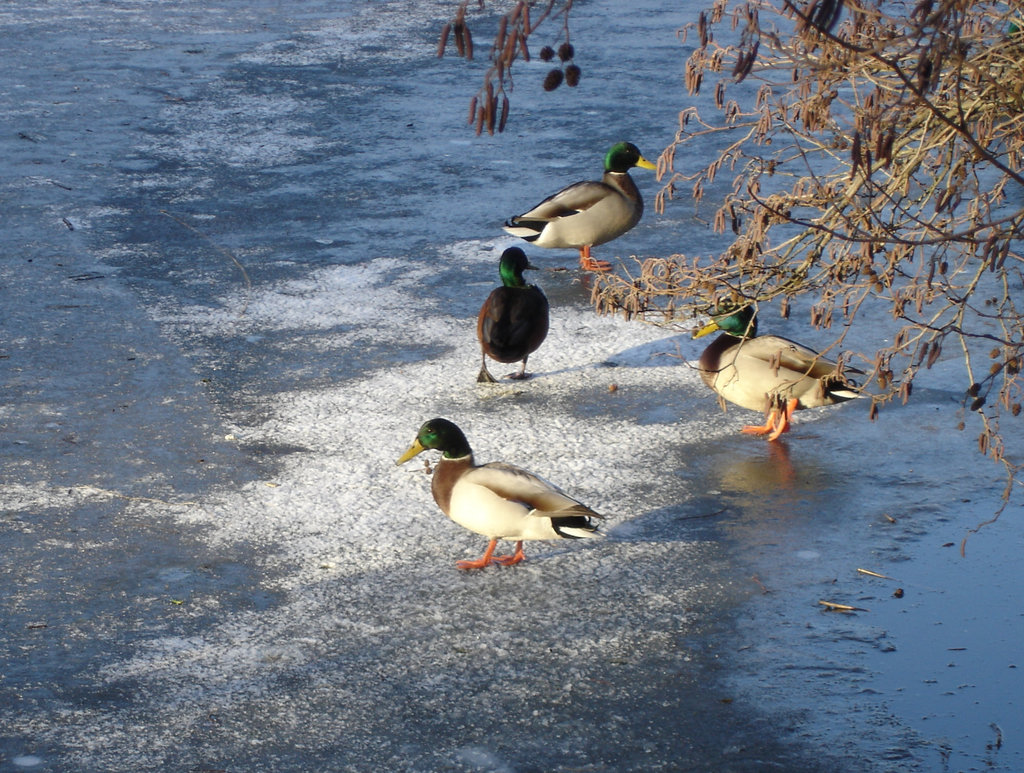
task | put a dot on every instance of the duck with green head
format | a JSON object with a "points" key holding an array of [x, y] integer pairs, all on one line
{"points": [[513, 321], [498, 500], [768, 373], [588, 213]]}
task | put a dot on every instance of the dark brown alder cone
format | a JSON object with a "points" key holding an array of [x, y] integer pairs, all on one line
{"points": [[553, 80]]}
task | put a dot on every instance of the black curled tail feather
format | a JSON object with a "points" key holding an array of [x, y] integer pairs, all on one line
{"points": [[840, 389], [574, 527]]}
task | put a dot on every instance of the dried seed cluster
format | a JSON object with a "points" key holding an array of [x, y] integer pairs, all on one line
{"points": [[568, 72], [489, 108]]}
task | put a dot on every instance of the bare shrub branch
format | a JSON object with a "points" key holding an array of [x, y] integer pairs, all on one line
{"points": [[489, 108], [876, 158]]}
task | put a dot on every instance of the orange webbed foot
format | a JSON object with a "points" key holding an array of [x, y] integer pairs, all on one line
{"points": [[485, 560], [513, 559], [478, 564], [593, 264], [588, 263], [762, 429], [782, 419]]}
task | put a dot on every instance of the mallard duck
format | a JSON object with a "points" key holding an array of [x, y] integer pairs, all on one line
{"points": [[498, 500], [588, 213], [767, 373], [513, 322]]}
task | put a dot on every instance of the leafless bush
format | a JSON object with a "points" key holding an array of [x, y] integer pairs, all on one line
{"points": [[875, 154]]}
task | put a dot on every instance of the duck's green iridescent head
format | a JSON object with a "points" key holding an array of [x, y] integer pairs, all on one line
{"points": [[513, 263], [741, 322], [623, 156], [438, 435]]}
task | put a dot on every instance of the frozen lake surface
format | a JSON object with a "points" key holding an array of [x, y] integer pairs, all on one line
{"points": [[244, 247]]}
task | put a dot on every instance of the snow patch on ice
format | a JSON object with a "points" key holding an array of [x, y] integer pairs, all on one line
{"points": [[355, 430], [342, 514], [390, 32], [275, 132]]}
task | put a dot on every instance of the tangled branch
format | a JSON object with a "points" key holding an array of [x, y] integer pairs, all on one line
{"points": [[876, 158], [489, 108]]}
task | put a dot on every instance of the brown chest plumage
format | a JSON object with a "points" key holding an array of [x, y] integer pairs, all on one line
{"points": [[710, 363], [446, 473]]}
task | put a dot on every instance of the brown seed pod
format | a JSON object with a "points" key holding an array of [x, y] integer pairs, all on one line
{"points": [[694, 81], [504, 114], [572, 75], [566, 52], [443, 40], [509, 51], [745, 62], [523, 48], [553, 80], [906, 389], [499, 39], [886, 154], [492, 114], [978, 403], [547, 53], [924, 73]]}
